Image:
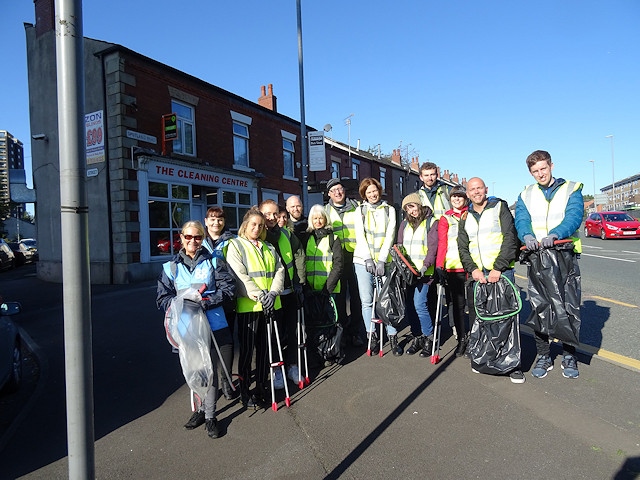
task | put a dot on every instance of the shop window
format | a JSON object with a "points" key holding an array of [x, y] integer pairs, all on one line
{"points": [[169, 208], [235, 206], [185, 144]]}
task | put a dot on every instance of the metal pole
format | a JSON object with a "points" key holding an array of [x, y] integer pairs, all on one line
{"points": [[613, 176], [75, 245], [303, 125], [595, 205]]}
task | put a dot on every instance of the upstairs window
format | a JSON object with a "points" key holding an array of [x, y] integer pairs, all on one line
{"points": [[185, 144], [288, 153], [241, 125]]}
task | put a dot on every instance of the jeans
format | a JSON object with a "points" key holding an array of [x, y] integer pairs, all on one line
{"points": [[417, 313], [366, 286]]}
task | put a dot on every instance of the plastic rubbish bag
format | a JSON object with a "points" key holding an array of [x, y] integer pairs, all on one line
{"points": [[392, 296], [494, 341], [554, 292], [188, 328], [324, 333]]}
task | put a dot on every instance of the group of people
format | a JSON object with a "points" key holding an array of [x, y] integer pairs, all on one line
{"points": [[454, 236]]}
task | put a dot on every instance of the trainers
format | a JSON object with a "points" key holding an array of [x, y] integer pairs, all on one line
{"points": [[195, 421], [278, 379], [292, 373], [212, 428], [543, 365], [569, 367], [517, 376], [474, 370]]}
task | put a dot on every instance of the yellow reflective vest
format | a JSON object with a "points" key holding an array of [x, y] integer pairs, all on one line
{"points": [[415, 242], [441, 201], [452, 257], [485, 237], [343, 224], [319, 262]]}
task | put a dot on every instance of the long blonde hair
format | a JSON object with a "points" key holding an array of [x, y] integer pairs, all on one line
{"points": [[253, 212]]}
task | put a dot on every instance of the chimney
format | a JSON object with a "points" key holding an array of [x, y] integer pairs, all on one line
{"points": [[415, 164], [446, 175], [45, 16], [395, 157], [268, 99], [454, 178]]}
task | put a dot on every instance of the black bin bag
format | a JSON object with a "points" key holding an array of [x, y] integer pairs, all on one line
{"points": [[392, 297], [554, 292], [324, 333], [494, 341]]}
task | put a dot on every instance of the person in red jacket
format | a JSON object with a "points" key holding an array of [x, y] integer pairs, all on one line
{"points": [[449, 269]]}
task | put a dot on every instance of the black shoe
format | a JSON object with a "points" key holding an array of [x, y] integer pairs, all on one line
{"points": [[227, 391], [427, 348], [416, 345], [195, 421], [462, 348], [395, 348], [212, 428], [375, 344]]}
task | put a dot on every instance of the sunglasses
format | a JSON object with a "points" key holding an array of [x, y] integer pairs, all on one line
{"points": [[197, 238]]}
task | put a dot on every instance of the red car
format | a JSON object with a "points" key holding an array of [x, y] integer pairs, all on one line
{"points": [[611, 225]]}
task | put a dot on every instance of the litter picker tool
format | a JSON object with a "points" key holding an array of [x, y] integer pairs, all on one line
{"points": [[375, 319], [302, 349], [273, 327], [435, 350]]}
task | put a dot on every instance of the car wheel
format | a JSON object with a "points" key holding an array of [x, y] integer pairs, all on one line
{"points": [[603, 235], [586, 232], [13, 384]]}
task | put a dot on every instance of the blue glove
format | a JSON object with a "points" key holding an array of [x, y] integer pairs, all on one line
{"points": [[370, 266], [531, 243], [547, 242], [379, 269]]}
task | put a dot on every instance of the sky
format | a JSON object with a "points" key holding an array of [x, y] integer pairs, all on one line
{"points": [[473, 86]]}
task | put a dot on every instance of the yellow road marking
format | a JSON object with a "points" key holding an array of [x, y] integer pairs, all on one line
{"points": [[604, 299]]}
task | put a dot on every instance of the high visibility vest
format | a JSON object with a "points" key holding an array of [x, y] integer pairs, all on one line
{"points": [[261, 267], [452, 257], [286, 253], [343, 225], [203, 273], [376, 223], [415, 242], [485, 237], [548, 214], [441, 202], [319, 262]]}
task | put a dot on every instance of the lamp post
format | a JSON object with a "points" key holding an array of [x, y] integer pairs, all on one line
{"points": [[593, 165], [613, 176], [303, 125]]}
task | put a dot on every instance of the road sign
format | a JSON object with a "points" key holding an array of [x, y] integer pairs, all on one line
{"points": [[169, 127]]}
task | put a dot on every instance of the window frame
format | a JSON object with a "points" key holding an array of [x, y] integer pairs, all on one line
{"points": [[181, 121]]}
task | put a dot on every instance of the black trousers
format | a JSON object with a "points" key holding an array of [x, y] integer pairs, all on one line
{"points": [[252, 334], [349, 289], [457, 291]]}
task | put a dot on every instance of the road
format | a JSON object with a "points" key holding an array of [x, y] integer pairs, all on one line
{"points": [[371, 418]]}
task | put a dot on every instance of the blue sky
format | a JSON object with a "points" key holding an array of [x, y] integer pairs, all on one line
{"points": [[474, 86]]}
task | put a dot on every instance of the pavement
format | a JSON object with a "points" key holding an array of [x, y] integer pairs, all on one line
{"points": [[389, 417]]}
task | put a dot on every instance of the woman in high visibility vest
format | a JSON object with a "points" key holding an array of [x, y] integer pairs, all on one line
{"points": [[193, 267], [375, 226], [449, 267], [418, 234], [260, 272]]}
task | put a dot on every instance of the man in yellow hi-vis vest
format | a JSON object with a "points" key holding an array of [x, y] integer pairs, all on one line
{"points": [[547, 211]]}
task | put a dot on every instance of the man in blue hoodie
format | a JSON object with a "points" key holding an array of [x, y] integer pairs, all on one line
{"points": [[547, 211]]}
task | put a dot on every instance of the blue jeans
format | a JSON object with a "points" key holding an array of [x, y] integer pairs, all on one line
{"points": [[366, 285], [416, 311]]}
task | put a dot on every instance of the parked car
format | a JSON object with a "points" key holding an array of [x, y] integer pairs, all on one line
{"points": [[10, 348], [164, 244], [7, 258], [611, 225], [33, 246], [21, 252]]}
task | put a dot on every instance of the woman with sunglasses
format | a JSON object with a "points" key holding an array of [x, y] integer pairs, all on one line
{"points": [[260, 274], [193, 267]]}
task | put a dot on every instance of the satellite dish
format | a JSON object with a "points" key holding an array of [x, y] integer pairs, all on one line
{"points": [[327, 127]]}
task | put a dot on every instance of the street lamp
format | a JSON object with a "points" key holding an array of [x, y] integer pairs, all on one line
{"points": [[613, 176], [303, 125], [593, 165]]}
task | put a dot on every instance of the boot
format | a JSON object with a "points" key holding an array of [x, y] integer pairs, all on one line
{"points": [[427, 348], [462, 346], [416, 345], [395, 348], [375, 343]]}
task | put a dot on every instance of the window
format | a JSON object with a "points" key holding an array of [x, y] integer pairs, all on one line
{"points": [[383, 178], [186, 142], [235, 205], [240, 140], [169, 209], [401, 185], [355, 169], [288, 153], [335, 169]]}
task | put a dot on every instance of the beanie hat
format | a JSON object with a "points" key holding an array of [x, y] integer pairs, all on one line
{"points": [[332, 183], [458, 190], [411, 198]]}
